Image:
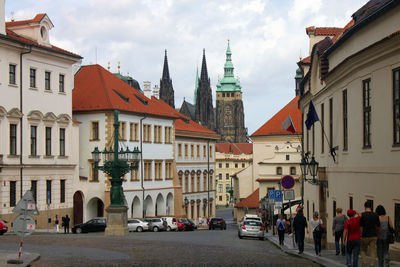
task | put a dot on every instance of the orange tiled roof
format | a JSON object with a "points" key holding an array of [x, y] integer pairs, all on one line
{"points": [[340, 34], [98, 89], [36, 19], [251, 201], [274, 125], [235, 148], [185, 124], [323, 31], [306, 60]]}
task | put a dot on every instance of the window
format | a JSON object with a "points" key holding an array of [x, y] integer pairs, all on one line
{"points": [[33, 140], [279, 170], [227, 197], [34, 189], [13, 139], [48, 141], [219, 165], [220, 189], [13, 193], [157, 134], [220, 176], [205, 181], [12, 74], [204, 151], [243, 165], [227, 176], [227, 188], [62, 141], [134, 175], [192, 181], [236, 165], [220, 198], [211, 152], [94, 173], [292, 170], [158, 170], [367, 113], [146, 133], [198, 182], [345, 129], [192, 151], [334, 209], [122, 130], [134, 131], [186, 150], [32, 78], [350, 202], [61, 83], [62, 191], [331, 122], [168, 170], [48, 192], [168, 135], [47, 80], [179, 150], [287, 157], [226, 165], [198, 151], [95, 130], [396, 106], [322, 129], [147, 170], [210, 181]]}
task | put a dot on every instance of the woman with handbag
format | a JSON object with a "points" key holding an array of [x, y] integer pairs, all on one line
{"points": [[317, 229], [384, 236]]}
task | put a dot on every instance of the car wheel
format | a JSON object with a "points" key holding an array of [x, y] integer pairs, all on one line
{"points": [[262, 238], [240, 236], [139, 229], [155, 229], [169, 228], [1, 233], [78, 230]]}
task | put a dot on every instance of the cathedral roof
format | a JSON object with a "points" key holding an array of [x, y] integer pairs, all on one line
{"points": [[274, 125], [229, 82], [191, 109], [235, 148], [97, 89]]}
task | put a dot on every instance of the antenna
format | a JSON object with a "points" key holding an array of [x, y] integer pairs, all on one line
{"points": [[119, 66], [12, 15], [108, 67], [95, 53]]}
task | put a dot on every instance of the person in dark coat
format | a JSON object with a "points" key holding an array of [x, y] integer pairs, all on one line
{"points": [[299, 227], [66, 224]]}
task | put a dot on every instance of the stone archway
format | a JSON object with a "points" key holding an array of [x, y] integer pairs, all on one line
{"points": [[78, 207], [95, 208], [136, 211], [160, 206], [148, 203], [170, 204]]}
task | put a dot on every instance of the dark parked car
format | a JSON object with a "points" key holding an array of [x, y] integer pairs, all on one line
{"points": [[3, 227], [217, 223], [93, 225], [192, 222], [188, 226]]}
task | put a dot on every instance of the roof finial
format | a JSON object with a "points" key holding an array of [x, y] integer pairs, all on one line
{"points": [[119, 66], [12, 15], [108, 67]]}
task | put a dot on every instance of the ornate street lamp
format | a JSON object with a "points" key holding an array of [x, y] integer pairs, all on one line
{"points": [[311, 166], [116, 163]]}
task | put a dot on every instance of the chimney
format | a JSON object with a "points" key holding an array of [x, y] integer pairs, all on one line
{"points": [[147, 89], [156, 91], [2, 17]]}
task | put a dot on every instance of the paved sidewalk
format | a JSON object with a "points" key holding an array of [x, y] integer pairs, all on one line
{"points": [[26, 257], [327, 258]]}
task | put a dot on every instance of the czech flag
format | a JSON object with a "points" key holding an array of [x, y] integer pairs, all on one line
{"points": [[288, 125]]}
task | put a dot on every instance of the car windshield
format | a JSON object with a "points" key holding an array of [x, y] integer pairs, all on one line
{"points": [[253, 219], [252, 223]]}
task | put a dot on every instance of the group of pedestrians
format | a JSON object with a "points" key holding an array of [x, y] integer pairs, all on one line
{"points": [[65, 223], [359, 233]]}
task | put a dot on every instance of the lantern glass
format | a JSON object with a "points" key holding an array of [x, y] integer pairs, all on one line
{"points": [[96, 155], [304, 166], [313, 165]]}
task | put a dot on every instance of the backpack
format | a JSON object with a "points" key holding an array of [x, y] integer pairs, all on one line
{"points": [[281, 226]]}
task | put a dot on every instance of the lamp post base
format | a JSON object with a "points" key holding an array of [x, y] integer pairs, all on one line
{"points": [[117, 219]]}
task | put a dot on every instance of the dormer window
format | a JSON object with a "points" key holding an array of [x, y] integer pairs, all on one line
{"points": [[43, 32]]}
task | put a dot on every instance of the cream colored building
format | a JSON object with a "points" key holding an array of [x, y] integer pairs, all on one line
{"points": [[231, 158], [39, 140], [354, 83]]}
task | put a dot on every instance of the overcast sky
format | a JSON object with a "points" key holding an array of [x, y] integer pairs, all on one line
{"points": [[267, 37]]}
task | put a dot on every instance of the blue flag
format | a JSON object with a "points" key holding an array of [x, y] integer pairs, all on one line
{"points": [[311, 116]]}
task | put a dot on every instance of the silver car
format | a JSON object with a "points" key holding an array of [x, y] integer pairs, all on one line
{"points": [[156, 224], [137, 225], [251, 228]]}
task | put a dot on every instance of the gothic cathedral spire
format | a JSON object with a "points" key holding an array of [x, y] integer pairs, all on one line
{"points": [[166, 89]]}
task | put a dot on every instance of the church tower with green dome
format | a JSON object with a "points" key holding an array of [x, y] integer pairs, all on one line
{"points": [[229, 106]]}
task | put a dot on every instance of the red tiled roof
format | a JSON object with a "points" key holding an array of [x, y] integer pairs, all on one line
{"points": [[340, 34], [323, 31], [98, 89], [36, 19], [236, 173], [306, 60], [235, 148], [251, 201], [274, 125], [185, 124]]}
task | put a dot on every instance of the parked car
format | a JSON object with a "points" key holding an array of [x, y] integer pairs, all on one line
{"points": [[187, 225], [251, 228], [251, 217], [156, 224], [137, 225], [3, 227], [93, 225], [193, 223], [181, 225], [171, 223], [217, 223]]}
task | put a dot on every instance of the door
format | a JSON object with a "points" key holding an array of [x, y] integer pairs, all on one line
{"points": [[78, 208]]}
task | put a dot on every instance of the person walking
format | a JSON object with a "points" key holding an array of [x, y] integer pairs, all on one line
{"points": [[66, 224], [280, 225], [352, 238], [369, 227], [382, 244], [317, 228], [337, 231], [57, 223], [299, 227]]}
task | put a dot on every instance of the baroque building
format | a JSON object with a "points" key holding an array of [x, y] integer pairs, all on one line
{"points": [[229, 106], [166, 89]]}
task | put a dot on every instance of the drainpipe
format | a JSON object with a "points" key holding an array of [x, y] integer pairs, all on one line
{"points": [[141, 161], [21, 120]]}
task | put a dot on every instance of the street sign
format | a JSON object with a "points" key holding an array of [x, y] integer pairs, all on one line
{"points": [[287, 182], [24, 225], [259, 210], [278, 205], [289, 194], [271, 194], [26, 205], [278, 196]]}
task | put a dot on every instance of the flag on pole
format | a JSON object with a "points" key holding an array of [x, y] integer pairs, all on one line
{"points": [[311, 116], [288, 125]]}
